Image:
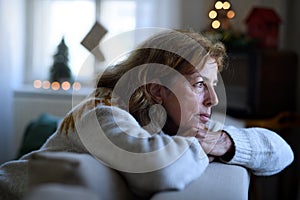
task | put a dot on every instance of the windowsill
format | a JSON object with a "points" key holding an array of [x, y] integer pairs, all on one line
{"points": [[30, 91]]}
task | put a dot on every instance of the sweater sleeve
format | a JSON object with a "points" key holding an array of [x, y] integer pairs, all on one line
{"points": [[149, 163], [262, 151]]}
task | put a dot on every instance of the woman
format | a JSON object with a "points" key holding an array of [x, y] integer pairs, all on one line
{"points": [[149, 118]]}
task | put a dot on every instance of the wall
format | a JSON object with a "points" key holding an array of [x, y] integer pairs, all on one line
{"points": [[30, 103], [292, 42], [11, 61], [293, 30], [194, 14]]}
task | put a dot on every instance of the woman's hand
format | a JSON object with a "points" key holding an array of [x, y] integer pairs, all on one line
{"points": [[215, 144]]}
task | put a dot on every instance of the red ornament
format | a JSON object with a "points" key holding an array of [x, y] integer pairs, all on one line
{"points": [[263, 24]]}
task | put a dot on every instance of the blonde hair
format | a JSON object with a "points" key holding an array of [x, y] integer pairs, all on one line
{"points": [[180, 50]]}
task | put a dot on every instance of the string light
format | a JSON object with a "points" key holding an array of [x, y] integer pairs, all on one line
{"points": [[66, 85], [55, 85], [221, 14], [38, 84], [226, 5], [46, 84], [212, 14], [76, 86], [216, 24], [230, 14], [218, 5]]}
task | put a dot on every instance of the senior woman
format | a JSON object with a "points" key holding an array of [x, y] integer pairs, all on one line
{"points": [[150, 119]]}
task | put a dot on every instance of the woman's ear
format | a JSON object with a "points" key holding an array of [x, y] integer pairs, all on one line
{"points": [[156, 91]]}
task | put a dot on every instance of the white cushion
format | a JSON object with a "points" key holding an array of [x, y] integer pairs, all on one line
{"points": [[76, 169], [61, 173], [219, 181], [61, 192]]}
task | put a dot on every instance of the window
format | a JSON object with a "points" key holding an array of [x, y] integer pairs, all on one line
{"points": [[51, 20], [48, 21], [123, 19]]}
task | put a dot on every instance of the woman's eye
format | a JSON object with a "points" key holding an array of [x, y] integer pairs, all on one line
{"points": [[199, 84]]}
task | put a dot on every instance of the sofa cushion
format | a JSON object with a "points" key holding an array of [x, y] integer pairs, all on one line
{"points": [[219, 181], [74, 169], [37, 132], [61, 192], [63, 172]]}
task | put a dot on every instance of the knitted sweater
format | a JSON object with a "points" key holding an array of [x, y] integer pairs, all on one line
{"points": [[148, 162]]}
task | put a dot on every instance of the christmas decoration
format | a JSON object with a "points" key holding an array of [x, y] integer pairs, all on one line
{"points": [[263, 25], [220, 28], [60, 71], [221, 14], [92, 39]]}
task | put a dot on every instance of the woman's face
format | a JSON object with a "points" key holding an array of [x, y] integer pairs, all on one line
{"points": [[190, 102]]}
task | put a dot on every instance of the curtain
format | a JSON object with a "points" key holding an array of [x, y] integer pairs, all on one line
{"points": [[11, 15]]}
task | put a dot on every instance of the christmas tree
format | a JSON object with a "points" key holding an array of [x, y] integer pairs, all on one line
{"points": [[60, 70]]}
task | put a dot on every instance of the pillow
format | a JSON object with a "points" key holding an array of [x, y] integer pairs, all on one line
{"points": [[60, 192], [75, 169], [37, 132]]}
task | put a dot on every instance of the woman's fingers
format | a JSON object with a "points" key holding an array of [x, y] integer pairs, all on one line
{"points": [[211, 158], [209, 141], [217, 145]]}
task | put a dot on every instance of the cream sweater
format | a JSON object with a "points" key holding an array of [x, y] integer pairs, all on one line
{"points": [[149, 163]]}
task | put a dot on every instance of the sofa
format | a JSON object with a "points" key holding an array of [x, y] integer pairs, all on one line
{"points": [[66, 175], [72, 176]]}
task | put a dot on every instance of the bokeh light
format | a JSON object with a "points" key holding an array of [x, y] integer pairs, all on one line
{"points": [[46, 84], [212, 14], [216, 24], [230, 14], [37, 84], [226, 5], [65, 85], [218, 5], [55, 85], [76, 86]]}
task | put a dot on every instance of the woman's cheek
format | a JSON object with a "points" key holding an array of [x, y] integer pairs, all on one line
{"points": [[189, 114]]}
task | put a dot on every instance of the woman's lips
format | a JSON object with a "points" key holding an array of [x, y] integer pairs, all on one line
{"points": [[204, 118]]}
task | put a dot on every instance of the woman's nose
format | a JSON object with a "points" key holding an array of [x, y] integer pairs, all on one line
{"points": [[211, 97]]}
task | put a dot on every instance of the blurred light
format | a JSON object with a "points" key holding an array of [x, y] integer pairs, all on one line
{"points": [[55, 85], [212, 14], [46, 84], [218, 5], [37, 84], [230, 14], [76, 86], [65, 85], [216, 24], [226, 5]]}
